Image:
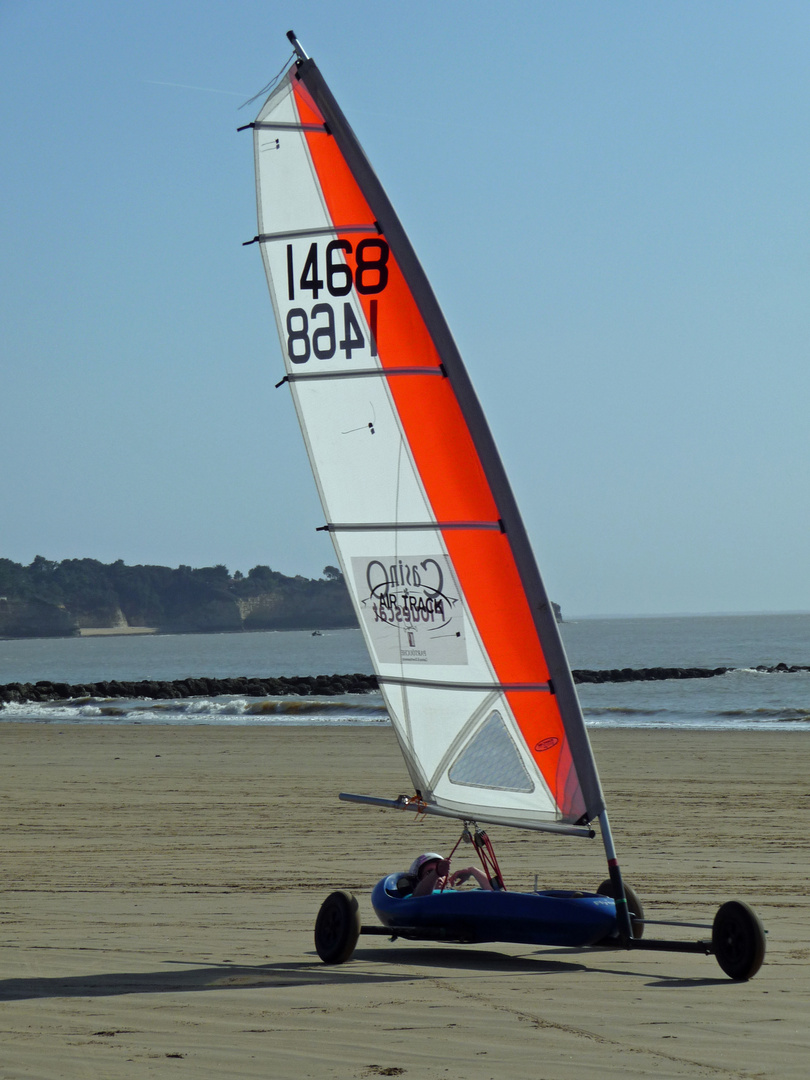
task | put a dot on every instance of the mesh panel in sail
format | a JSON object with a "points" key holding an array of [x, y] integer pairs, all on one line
{"points": [[491, 760]]}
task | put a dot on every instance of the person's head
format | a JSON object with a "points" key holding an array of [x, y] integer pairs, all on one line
{"points": [[422, 863]]}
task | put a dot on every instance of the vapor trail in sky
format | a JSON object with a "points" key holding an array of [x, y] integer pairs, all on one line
{"points": [[183, 86]]}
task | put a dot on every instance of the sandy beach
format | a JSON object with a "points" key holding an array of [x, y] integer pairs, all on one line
{"points": [[160, 886]]}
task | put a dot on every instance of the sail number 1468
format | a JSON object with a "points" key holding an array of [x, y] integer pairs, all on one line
{"points": [[315, 331]]}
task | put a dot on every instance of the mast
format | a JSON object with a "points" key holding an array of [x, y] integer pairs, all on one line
{"points": [[296, 44]]}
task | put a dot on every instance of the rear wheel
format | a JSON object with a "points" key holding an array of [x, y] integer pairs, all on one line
{"points": [[634, 905], [337, 927], [738, 940]]}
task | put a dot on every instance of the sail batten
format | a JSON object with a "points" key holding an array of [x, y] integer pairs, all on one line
{"points": [[542, 688], [297, 234], [424, 523], [409, 526], [369, 373], [284, 125]]}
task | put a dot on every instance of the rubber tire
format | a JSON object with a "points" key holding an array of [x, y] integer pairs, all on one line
{"points": [[738, 940], [634, 905], [337, 927]]}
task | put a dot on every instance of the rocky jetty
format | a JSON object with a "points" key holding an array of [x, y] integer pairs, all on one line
{"points": [[310, 685], [657, 674], [302, 685]]}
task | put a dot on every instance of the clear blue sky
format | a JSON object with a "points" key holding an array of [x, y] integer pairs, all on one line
{"points": [[611, 200]]}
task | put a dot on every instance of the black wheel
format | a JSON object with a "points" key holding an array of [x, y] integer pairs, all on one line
{"points": [[337, 928], [634, 905], [738, 940]]}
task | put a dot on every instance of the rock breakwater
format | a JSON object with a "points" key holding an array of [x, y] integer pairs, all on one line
{"points": [[159, 690], [657, 674], [313, 685]]}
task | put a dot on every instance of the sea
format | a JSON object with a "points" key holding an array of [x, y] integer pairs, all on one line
{"points": [[742, 699]]}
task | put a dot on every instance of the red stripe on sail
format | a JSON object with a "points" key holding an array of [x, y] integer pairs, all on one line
{"points": [[455, 484]]}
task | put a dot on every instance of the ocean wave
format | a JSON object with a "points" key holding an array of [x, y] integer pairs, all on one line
{"points": [[754, 719], [203, 710], [766, 714], [753, 714], [620, 710], [365, 709], [307, 707]]}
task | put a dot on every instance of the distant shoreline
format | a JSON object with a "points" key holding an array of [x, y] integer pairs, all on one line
{"points": [[141, 631], [88, 598]]}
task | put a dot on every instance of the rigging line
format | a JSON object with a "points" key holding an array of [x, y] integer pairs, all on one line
{"points": [[364, 427], [429, 684], [360, 373], [328, 230], [271, 85], [408, 526], [400, 451]]}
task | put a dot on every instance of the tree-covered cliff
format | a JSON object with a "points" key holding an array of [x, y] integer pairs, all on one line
{"points": [[48, 599]]}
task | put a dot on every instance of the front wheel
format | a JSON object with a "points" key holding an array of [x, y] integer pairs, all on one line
{"points": [[738, 940], [337, 927], [634, 905]]}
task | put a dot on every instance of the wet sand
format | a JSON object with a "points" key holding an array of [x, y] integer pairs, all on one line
{"points": [[160, 885]]}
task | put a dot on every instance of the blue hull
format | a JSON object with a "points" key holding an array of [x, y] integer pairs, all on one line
{"points": [[554, 917]]}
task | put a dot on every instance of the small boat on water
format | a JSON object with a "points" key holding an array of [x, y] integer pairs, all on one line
{"points": [[462, 635]]}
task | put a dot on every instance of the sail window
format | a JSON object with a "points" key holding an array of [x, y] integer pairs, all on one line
{"points": [[491, 760]]}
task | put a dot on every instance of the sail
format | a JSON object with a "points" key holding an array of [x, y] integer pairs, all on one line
{"points": [[429, 538]]}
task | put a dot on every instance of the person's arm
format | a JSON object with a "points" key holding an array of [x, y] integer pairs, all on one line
{"points": [[432, 878], [461, 876]]}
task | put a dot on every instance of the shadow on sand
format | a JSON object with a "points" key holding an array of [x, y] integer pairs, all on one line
{"points": [[174, 980]]}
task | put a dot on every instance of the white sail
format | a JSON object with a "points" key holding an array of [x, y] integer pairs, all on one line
{"points": [[425, 527]]}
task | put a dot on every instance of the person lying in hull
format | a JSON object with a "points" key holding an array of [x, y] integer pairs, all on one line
{"points": [[431, 871]]}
